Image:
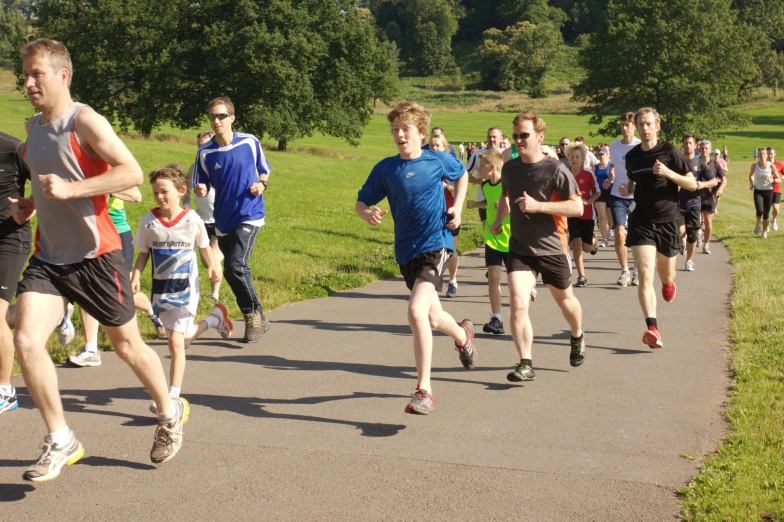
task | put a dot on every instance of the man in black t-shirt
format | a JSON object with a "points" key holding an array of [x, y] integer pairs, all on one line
{"points": [[656, 171], [15, 242], [691, 201]]}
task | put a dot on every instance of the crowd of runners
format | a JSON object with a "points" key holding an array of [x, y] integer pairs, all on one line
{"points": [[539, 207]]}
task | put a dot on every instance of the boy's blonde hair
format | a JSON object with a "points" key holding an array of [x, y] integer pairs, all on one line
{"points": [[412, 114], [647, 110], [171, 172], [582, 148], [491, 156]]}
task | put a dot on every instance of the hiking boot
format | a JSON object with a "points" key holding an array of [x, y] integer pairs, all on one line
{"points": [[225, 327], [8, 402], [85, 359], [624, 279], [581, 282], [255, 325], [53, 458], [422, 403], [451, 290], [65, 330], [668, 291], [522, 372], [467, 352], [652, 338], [160, 330], [577, 354], [635, 281], [495, 326], [689, 265], [168, 435]]}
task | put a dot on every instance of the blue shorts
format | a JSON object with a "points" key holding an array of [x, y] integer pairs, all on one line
{"points": [[619, 209]]}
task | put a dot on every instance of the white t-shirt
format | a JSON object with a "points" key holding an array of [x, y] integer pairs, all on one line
{"points": [[473, 168], [591, 160], [618, 152], [205, 207], [175, 269]]}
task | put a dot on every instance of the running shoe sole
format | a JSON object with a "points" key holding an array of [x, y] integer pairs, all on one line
{"points": [[56, 471], [512, 377], [222, 318], [652, 341], [89, 364], [9, 406]]}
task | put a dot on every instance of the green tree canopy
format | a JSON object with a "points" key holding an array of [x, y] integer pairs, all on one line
{"points": [[690, 60], [518, 57], [13, 29]]}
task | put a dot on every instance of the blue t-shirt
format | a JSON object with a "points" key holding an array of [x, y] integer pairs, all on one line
{"points": [[416, 197], [451, 150], [231, 170], [601, 176]]}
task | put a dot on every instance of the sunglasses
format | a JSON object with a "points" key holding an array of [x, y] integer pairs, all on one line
{"points": [[221, 117], [521, 136]]}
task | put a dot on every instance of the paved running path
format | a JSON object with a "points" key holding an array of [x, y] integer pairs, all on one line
{"points": [[309, 423]]}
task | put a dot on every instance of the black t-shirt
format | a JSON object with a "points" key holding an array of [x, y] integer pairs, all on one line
{"points": [[655, 197], [709, 194], [701, 172], [13, 174]]}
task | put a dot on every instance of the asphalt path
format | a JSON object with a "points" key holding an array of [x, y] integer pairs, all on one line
{"points": [[309, 423]]}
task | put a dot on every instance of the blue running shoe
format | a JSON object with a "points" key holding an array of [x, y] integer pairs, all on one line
{"points": [[8, 402]]}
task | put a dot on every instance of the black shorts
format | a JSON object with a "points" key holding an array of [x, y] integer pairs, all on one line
{"points": [[482, 214], [429, 266], [603, 196], [777, 197], [556, 270], [495, 257], [210, 230], [101, 286], [691, 217], [580, 229], [666, 237], [127, 248], [13, 256]]}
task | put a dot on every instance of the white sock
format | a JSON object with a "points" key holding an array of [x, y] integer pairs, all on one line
{"points": [[150, 315], [212, 321], [174, 392], [625, 269], [499, 317], [216, 297], [91, 347], [167, 415], [453, 282], [6, 390], [61, 437]]}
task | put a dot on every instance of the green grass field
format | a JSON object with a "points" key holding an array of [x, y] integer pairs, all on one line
{"points": [[314, 245]]}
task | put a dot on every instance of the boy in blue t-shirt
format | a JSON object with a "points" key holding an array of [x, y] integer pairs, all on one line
{"points": [[412, 181]]}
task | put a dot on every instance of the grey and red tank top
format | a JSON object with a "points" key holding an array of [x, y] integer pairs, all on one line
{"points": [[72, 230]]}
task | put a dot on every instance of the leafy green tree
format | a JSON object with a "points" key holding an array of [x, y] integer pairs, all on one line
{"points": [[13, 29], [500, 14], [766, 18], [518, 57], [654, 53], [582, 16]]}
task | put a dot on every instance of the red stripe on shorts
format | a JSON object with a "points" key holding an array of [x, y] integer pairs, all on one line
{"points": [[117, 282]]}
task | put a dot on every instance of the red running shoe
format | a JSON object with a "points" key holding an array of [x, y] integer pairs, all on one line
{"points": [[668, 291], [652, 338], [422, 403]]}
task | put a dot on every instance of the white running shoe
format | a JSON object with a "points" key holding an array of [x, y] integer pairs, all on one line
{"points": [[774, 225], [706, 249], [689, 265], [85, 359], [765, 235], [66, 331], [225, 327]]}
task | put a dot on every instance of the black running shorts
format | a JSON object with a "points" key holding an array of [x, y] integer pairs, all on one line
{"points": [[777, 197], [101, 286], [429, 266], [666, 237], [580, 229], [556, 270], [13, 256], [692, 217], [495, 257]]}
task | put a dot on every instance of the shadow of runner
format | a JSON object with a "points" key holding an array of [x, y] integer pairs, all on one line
{"points": [[115, 463], [13, 492]]}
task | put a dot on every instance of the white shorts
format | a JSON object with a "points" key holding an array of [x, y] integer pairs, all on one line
{"points": [[178, 320]]}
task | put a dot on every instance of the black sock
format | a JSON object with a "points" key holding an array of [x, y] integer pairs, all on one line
{"points": [[529, 362], [575, 339], [651, 321]]}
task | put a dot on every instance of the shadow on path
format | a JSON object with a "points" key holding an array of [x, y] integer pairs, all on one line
{"points": [[13, 492]]}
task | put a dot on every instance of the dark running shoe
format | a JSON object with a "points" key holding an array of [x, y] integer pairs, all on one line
{"points": [[467, 352], [255, 325], [594, 246], [451, 290], [422, 403], [522, 372], [577, 354], [581, 282], [495, 326]]}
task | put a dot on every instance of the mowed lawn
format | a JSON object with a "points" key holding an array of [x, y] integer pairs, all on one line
{"points": [[313, 245]]}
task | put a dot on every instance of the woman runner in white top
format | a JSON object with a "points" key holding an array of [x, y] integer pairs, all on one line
{"points": [[761, 178]]}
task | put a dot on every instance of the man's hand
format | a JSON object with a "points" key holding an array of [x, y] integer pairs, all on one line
{"points": [[257, 188], [453, 223], [374, 218], [606, 184], [470, 203], [55, 187], [214, 274], [495, 228], [201, 190], [661, 170], [22, 209], [623, 189], [528, 204]]}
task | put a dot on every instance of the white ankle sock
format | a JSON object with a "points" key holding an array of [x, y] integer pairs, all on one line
{"points": [[61, 437], [499, 317], [91, 347], [453, 282], [174, 392], [167, 415], [6, 390], [212, 321], [216, 297]]}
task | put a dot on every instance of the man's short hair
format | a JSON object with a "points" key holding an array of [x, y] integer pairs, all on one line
{"points": [[204, 134], [491, 129], [647, 110], [412, 114], [58, 54], [686, 137], [627, 116], [706, 142], [580, 139], [439, 129], [222, 100], [539, 125], [491, 156]]}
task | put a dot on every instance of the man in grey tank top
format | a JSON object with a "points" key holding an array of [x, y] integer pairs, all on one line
{"points": [[75, 160]]}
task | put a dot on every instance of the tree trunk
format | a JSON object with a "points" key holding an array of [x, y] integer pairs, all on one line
{"points": [[282, 144]]}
